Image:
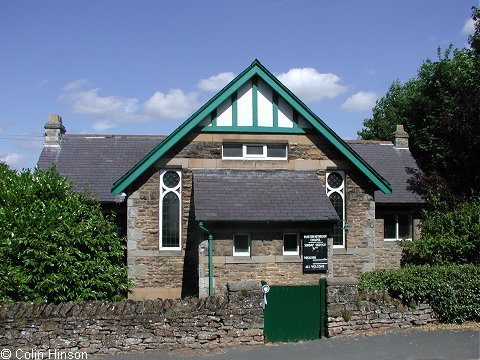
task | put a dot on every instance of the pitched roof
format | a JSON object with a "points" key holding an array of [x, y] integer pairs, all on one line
{"points": [[96, 161], [395, 165], [256, 69], [260, 195]]}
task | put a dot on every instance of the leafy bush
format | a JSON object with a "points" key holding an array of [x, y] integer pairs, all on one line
{"points": [[448, 236], [56, 244], [452, 290]]}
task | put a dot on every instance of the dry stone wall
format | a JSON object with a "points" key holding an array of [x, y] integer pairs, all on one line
{"points": [[351, 311], [107, 328]]}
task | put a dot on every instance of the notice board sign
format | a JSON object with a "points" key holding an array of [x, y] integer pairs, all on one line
{"points": [[315, 253]]}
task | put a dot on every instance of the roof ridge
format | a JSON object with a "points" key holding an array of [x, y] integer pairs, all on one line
{"points": [[385, 142], [112, 136]]}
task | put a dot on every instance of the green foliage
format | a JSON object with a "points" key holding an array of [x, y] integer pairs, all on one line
{"points": [[55, 244], [346, 314], [452, 290], [389, 111], [448, 236], [246, 293], [440, 109]]}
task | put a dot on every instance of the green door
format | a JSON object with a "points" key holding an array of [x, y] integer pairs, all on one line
{"points": [[292, 313]]}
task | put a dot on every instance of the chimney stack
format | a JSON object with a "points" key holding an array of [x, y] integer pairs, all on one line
{"points": [[54, 130], [401, 138]]}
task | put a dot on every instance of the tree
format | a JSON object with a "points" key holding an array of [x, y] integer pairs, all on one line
{"points": [[440, 109], [56, 244], [448, 237]]}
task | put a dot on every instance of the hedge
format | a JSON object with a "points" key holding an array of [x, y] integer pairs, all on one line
{"points": [[56, 244], [453, 291]]}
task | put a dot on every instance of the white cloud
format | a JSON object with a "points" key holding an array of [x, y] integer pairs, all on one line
{"points": [[171, 106], [468, 27], [89, 102], [74, 85], [216, 82], [14, 160], [361, 101], [110, 110], [310, 85]]}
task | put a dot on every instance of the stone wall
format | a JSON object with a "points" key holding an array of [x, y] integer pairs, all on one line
{"points": [[171, 274], [161, 325], [359, 254], [352, 311], [181, 273], [266, 262]]}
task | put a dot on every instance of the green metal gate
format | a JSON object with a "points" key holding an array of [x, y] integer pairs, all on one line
{"points": [[295, 313]]}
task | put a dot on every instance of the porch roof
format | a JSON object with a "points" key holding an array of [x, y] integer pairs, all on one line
{"points": [[260, 195]]}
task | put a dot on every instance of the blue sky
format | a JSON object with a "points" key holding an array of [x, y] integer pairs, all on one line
{"points": [[142, 67]]}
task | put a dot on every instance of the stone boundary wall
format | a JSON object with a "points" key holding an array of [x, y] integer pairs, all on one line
{"points": [[351, 310], [97, 327]]}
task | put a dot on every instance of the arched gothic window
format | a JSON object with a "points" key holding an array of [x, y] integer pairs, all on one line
{"points": [[336, 193], [170, 210]]}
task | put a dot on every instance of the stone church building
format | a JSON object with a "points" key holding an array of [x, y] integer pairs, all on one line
{"points": [[238, 190]]}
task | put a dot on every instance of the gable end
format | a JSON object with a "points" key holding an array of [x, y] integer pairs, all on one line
{"points": [[252, 73]]}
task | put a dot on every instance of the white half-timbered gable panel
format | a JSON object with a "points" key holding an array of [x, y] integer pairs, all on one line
{"points": [[256, 106]]}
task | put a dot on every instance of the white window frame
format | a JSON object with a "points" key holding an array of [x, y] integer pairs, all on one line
{"points": [[341, 191], [254, 156], [397, 238], [242, 253], [164, 190], [263, 156], [296, 252]]}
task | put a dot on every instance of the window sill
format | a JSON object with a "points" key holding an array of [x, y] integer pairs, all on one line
{"points": [[239, 259], [155, 253], [291, 255], [395, 240], [270, 259], [165, 252], [288, 258]]}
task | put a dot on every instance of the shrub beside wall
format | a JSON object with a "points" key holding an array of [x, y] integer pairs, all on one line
{"points": [[448, 237], [351, 310], [453, 291]]}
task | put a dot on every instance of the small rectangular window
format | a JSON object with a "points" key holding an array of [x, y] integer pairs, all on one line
{"points": [[254, 150], [277, 151], [237, 151], [390, 227], [291, 244], [404, 226], [241, 245], [232, 150], [397, 226]]}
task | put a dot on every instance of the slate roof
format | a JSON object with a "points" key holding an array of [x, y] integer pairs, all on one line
{"points": [[260, 195], [95, 162], [395, 165]]}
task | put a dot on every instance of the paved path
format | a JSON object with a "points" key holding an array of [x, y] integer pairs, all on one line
{"points": [[404, 345]]}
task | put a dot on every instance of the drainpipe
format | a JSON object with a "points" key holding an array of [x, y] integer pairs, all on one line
{"points": [[210, 261]]}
